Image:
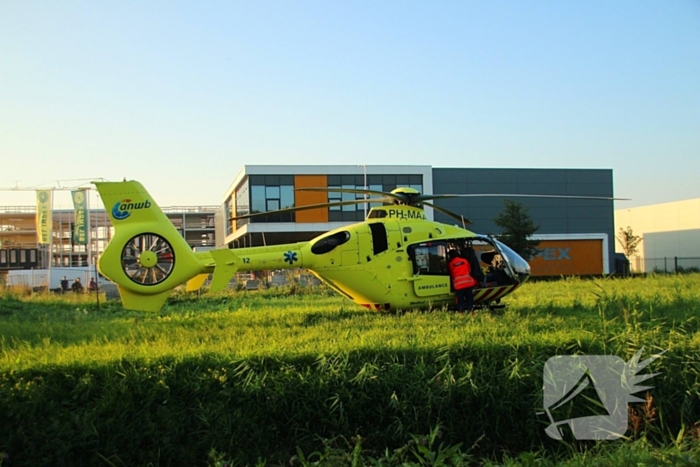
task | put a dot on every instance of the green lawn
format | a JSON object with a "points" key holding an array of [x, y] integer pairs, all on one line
{"points": [[248, 376]]}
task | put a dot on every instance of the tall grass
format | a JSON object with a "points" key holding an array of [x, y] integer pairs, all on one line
{"points": [[259, 375]]}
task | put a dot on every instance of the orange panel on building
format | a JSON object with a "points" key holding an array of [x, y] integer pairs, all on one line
{"points": [[306, 198], [568, 258]]}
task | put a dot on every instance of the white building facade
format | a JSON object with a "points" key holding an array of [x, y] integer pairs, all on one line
{"points": [[670, 234]]}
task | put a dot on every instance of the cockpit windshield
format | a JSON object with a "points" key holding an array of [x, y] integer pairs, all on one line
{"points": [[515, 261]]}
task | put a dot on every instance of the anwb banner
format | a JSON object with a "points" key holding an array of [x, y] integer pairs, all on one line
{"points": [[80, 228], [44, 200]]}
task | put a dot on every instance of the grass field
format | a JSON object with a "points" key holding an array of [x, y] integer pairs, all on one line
{"points": [[270, 376]]}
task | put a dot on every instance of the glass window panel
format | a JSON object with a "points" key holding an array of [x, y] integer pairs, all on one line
{"points": [[32, 256], [389, 180], [402, 180], [416, 179], [334, 197], [287, 196], [272, 179], [256, 179], [348, 197], [257, 198], [429, 259], [287, 180], [272, 192], [361, 206], [273, 204], [360, 180], [417, 187], [348, 180], [376, 188], [334, 180], [374, 180]]}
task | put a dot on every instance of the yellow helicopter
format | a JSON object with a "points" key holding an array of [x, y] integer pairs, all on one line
{"points": [[395, 260]]}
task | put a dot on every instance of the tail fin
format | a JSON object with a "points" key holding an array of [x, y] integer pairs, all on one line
{"points": [[147, 256]]}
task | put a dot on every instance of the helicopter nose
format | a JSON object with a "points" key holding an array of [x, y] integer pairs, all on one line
{"points": [[517, 263], [521, 268]]}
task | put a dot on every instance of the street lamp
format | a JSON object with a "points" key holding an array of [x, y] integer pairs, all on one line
{"points": [[364, 171]]}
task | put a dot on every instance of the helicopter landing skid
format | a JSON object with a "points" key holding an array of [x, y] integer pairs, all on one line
{"points": [[491, 306]]}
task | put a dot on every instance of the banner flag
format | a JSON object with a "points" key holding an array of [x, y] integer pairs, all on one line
{"points": [[44, 200], [80, 227]]}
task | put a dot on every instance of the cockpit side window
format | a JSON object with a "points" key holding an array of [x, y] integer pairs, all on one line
{"points": [[328, 243], [429, 258], [377, 214], [380, 242]]}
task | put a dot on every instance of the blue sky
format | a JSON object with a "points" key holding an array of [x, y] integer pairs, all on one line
{"points": [[181, 95]]}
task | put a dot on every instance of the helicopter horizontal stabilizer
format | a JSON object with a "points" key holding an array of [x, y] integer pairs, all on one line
{"points": [[196, 283], [227, 263], [142, 302]]}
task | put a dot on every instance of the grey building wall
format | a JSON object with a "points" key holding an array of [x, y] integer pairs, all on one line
{"points": [[554, 215]]}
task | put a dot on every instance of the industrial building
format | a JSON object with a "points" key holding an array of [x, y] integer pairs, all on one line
{"points": [[669, 232], [577, 234]]}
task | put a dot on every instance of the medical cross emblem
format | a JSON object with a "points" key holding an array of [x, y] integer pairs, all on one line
{"points": [[290, 257]]}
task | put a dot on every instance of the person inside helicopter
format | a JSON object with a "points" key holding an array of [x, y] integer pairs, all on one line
{"points": [[495, 273]]}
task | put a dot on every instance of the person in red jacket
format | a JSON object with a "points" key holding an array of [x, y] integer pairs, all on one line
{"points": [[462, 281]]}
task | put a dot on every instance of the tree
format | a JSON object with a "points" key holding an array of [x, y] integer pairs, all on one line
{"points": [[517, 227], [629, 241]]}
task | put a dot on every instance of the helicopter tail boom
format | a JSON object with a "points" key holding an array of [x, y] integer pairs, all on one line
{"points": [[228, 262], [147, 257]]}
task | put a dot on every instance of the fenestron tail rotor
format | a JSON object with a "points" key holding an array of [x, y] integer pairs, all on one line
{"points": [[148, 259], [141, 257]]}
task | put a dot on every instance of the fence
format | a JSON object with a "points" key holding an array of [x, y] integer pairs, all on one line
{"points": [[668, 264]]}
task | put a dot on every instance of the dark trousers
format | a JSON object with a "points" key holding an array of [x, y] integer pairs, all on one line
{"points": [[465, 299]]}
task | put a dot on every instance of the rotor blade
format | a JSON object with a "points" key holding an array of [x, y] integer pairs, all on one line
{"points": [[345, 190], [309, 206], [518, 195], [360, 191], [447, 213]]}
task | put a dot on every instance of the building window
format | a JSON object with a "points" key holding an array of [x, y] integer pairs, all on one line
{"points": [[242, 204], [355, 212], [271, 193]]}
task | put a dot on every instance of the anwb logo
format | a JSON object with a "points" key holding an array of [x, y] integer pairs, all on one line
{"points": [[588, 394]]}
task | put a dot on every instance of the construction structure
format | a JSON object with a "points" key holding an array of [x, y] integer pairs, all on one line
{"points": [[21, 246]]}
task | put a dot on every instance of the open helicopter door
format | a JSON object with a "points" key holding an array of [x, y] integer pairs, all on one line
{"points": [[515, 267], [430, 274]]}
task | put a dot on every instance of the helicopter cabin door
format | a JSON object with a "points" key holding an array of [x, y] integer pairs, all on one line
{"points": [[430, 274]]}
